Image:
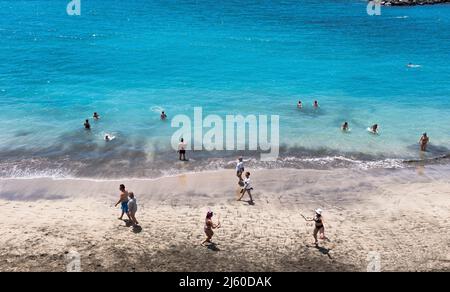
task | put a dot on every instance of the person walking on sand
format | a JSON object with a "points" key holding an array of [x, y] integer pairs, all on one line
{"points": [[423, 142], [240, 169], [247, 187], [318, 226], [209, 226], [123, 200], [182, 150], [132, 208]]}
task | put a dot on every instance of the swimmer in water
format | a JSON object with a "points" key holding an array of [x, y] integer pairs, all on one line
{"points": [[374, 129], [316, 104], [299, 104], [87, 126], [96, 116], [163, 116], [344, 127], [423, 142], [107, 138]]}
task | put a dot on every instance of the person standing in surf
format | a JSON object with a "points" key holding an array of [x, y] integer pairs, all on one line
{"points": [[163, 116], [299, 104], [182, 150], [423, 142]]}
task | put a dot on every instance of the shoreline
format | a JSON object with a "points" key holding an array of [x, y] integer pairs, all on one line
{"points": [[403, 217]]}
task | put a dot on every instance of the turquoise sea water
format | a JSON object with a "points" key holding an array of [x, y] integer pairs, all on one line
{"points": [[129, 59]]}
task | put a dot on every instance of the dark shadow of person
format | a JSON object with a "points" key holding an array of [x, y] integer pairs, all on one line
{"points": [[128, 223], [325, 251], [212, 246], [137, 229]]}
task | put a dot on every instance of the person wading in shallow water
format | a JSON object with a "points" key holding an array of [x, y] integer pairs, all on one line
{"points": [[87, 126], [423, 142], [209, 226]]}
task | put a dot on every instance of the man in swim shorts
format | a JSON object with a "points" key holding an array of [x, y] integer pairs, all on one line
{"points": [[123, 201]]}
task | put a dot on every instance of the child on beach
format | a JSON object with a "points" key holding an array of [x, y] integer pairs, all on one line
{"points": [[247, 187], [132, 208], [123, 200], [209, 226]]}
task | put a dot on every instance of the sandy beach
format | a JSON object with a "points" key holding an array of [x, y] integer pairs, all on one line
{"points": [[400, 216]]}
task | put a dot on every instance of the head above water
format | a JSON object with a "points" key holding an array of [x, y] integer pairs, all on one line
{"points": [[122, 187], [424, 134], [182, 140], [87, 121]]}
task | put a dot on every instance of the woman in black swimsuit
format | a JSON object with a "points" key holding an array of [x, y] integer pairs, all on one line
{"points": [[318, 226]]}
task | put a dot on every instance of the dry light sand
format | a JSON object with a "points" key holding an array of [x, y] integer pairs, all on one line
{"points": [[400, 217]]}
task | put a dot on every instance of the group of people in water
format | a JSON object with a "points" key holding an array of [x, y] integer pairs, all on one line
{"points": [[423, 142], [96, 117]]}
